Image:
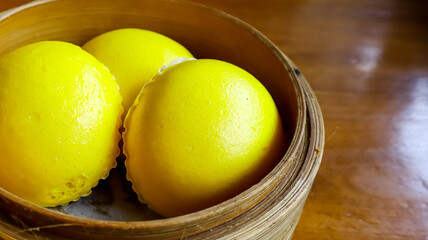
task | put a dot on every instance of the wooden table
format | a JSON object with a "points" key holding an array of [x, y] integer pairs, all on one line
{"points": [[367, 61]]}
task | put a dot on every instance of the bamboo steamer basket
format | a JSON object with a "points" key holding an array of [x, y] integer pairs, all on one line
{"points": [[268, 210]]}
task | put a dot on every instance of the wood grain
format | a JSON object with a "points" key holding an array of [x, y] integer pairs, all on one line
{"points": [[368, 64]]}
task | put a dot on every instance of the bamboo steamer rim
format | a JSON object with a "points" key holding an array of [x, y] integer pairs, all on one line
{"points": [[271, 180]]}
